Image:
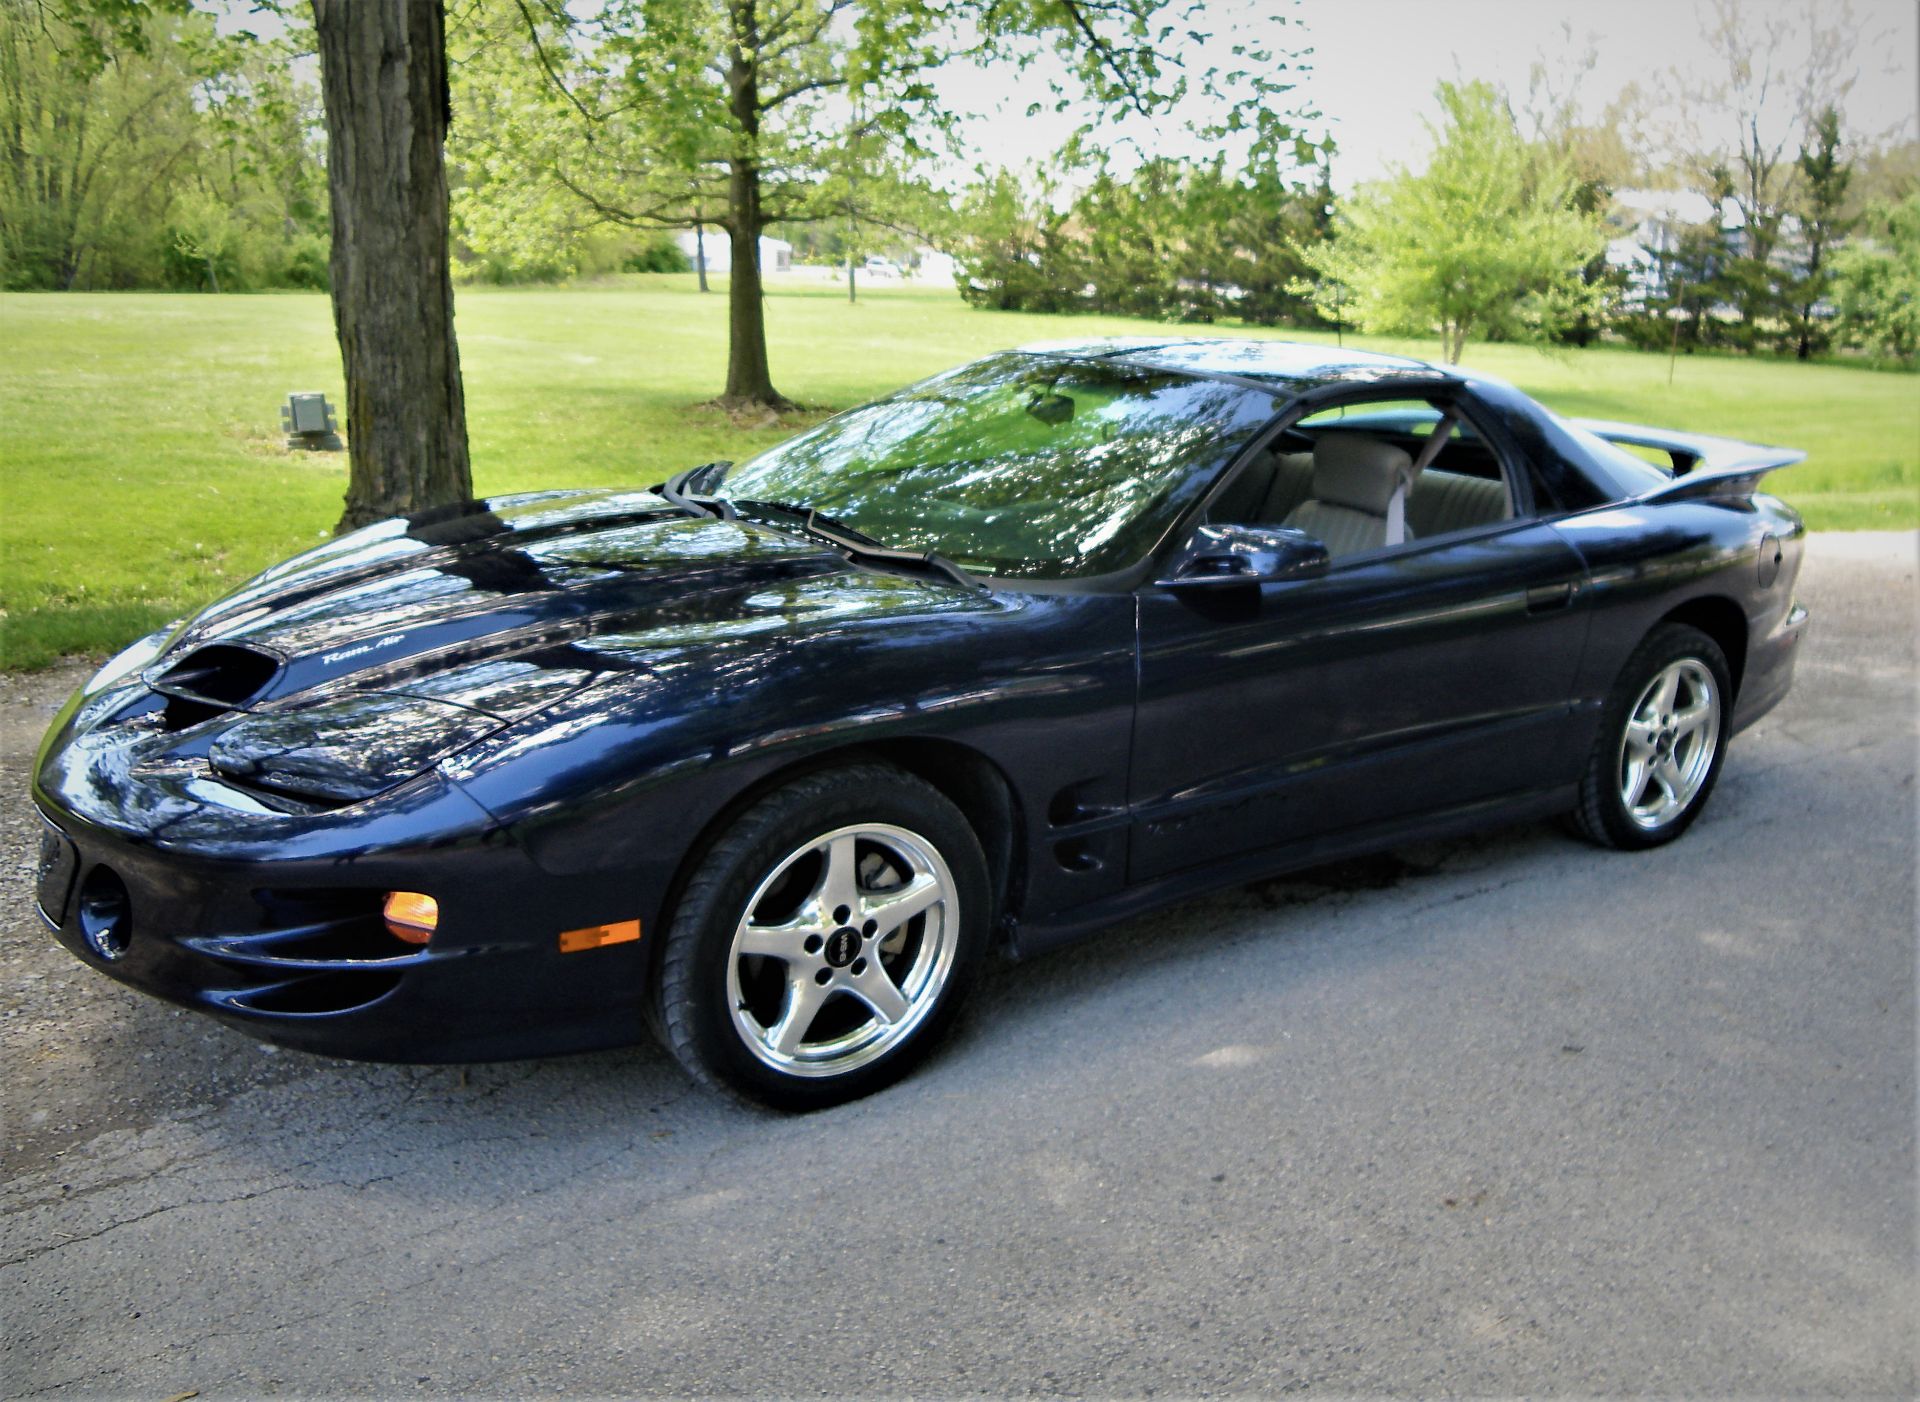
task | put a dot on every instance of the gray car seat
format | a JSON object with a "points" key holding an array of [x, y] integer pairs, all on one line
{"points": [[1354, 480], [1449, 501]]}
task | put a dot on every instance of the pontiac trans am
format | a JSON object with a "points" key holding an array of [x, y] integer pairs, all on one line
{"points": [[770, 757]]}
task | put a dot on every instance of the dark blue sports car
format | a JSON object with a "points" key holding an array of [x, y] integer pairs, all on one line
{"points": [[770, 757]]}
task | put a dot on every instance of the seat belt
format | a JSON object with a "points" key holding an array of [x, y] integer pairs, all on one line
{"points": [[1403, 485]]}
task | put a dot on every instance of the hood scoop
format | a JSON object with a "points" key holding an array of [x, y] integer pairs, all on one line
{"points": [[212, 679], [221, 674]]}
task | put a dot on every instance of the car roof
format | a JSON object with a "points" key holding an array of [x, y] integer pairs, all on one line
{"points": [[1295, 365]]}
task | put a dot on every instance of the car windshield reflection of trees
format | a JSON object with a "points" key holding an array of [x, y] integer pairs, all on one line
{"points": [[1020, 466]]}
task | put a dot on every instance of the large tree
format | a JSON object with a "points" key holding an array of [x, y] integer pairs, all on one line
{"points": [[1179, 240], [1016, 253], [750, 112], [1773, 72], [89, 147], [1877, 282], [384, 77], [141, 148], [1825, 173], [1603, 149], [1488, 240]]}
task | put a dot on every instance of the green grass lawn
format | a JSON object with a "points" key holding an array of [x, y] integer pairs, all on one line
{"points": [[142, 470]]}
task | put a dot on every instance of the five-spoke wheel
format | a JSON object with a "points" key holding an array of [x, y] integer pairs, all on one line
{"points": [[1668, 745], [1663, 735], [843, 949], [824, 939]]}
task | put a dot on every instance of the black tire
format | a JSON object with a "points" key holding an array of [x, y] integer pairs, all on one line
{"points": [[1604, 815], [720, 1012]]}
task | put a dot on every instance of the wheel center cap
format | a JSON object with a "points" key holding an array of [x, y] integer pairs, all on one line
{"points": [[842, 945]]}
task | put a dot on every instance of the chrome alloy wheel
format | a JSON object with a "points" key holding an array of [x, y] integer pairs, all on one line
{"points": [[1667, 749], [843, 950]]}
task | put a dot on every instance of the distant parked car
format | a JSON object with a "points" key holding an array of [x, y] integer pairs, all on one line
{"points": [[876, 266], [769, 757]]}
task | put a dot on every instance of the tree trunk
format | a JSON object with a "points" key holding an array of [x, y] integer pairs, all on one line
{"points": [[383, 69], [700, 251], [749, 384]]}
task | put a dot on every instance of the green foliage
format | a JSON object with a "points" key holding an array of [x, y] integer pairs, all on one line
{"points": [[656, 255], [1177, 241], [743, 113], [1824, 175], [1768, 284], [1486, 241], [1015, 252], [93, 34], [624, 114], [206, 240], [1128, 59], [1681, 314], [188, 489], [138, 148], [1877, 283]]}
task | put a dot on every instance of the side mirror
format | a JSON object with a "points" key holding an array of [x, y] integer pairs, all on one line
{"points": [[1223, 556]]}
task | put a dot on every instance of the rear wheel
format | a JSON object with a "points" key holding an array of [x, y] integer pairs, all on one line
{"points": [[1663, 737], [826, 939]]}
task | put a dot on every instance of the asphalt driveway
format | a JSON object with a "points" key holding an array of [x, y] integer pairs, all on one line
{"points": [[1499, 1115]]}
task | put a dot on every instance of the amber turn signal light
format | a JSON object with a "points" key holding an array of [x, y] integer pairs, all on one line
{"points": [[412, 916], [598, 936]]}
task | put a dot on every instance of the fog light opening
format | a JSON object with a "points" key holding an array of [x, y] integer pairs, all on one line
{"points": [[411, 916], [106, 913]]}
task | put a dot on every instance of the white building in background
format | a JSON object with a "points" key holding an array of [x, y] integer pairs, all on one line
{"points": [[933, 266], [776, 255], [1653, 221]]}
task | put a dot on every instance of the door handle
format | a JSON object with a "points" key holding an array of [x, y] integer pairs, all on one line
{"points": [[1545, 598]]}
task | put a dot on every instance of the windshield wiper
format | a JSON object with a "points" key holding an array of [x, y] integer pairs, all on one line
{"points": [[859, 544], [674, 491]]}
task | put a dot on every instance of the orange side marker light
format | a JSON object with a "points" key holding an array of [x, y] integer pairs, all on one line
{"points": [[594, 936], [412, 916]]}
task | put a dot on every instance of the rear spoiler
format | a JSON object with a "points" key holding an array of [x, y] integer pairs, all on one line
{"points": [[1703, 466]]}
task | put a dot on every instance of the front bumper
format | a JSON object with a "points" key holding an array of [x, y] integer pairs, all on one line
{"points": [[294, 951]]}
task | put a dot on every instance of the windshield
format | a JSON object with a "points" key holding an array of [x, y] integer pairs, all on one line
{"points": [[1017, 465]]}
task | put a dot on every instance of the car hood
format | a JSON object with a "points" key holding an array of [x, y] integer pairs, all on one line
{"points": [[410, 599], [365, 662]]}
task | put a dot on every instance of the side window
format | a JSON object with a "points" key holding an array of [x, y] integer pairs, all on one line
{"points": [[1335, 473]]}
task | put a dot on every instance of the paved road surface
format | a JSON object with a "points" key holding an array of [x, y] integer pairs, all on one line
{"points": [[1499, 1115]]}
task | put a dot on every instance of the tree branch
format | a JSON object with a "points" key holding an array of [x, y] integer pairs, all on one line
{"points": [[553, 77], [1110, 60], [787, 94]]}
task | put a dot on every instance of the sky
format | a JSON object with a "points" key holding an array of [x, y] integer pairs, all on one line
{"points": [[1375, 64]]}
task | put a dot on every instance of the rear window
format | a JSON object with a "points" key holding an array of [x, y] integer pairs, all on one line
{"points": [[1622, 472]]}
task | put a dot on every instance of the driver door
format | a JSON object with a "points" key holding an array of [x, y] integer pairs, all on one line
{"points": [[1425, 678]]}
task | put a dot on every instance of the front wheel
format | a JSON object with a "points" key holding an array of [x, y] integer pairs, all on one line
{"points": [[1663, 737], [825, 940]]}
